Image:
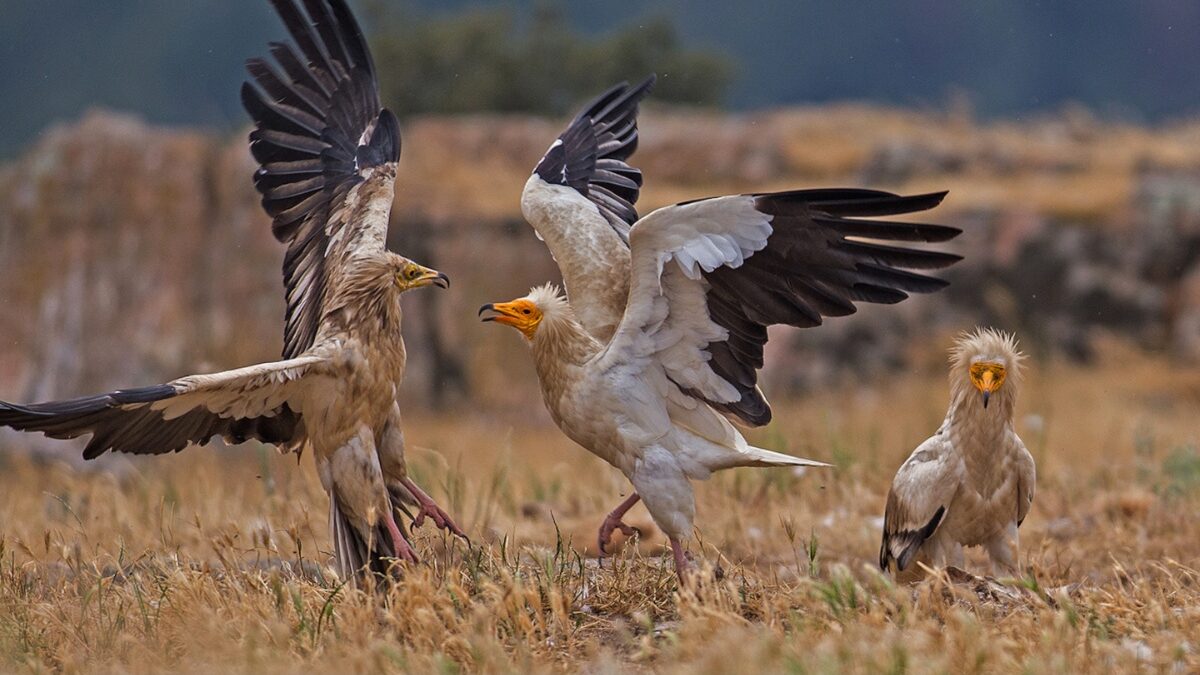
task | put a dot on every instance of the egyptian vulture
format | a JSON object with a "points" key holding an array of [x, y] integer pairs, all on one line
{"points": [[971, 483], [327, 151], [659, 346]]}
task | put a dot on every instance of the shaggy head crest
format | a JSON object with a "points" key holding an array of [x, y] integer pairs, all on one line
{"points": [[985, 359], [550, 299], [987, 344], [545, 305]]}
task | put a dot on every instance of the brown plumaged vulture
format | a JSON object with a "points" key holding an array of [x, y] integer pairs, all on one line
{"points": [[327, 152]]}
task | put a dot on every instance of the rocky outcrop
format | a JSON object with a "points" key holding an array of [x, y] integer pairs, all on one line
{"points": [[132, 254]]}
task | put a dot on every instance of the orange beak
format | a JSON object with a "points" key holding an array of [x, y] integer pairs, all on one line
{"points": [[520, 314], [988, 378], [988, 382], [505, 313]]}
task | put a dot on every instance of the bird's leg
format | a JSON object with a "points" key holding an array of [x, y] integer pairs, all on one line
{"points": [[1002, 549], [682, 566], [429, 508], [955, 556], [613, 522], [402, 549], [939, 552]]}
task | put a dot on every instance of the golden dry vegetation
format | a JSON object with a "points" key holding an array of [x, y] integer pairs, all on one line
{"points": [[217, 560], [132, 255]]}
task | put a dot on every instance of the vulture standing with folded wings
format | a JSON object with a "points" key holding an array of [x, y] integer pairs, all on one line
{"points": [[972, 482], [327, 151], [659, 345]]}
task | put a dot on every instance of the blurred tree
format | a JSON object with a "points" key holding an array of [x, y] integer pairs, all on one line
{"points": [[482, 60]]}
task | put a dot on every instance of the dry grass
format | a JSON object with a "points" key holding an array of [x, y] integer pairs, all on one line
{"points": [[217, 559]]}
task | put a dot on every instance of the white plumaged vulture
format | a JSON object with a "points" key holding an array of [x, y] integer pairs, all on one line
{"points": [[659, 345], [328, 152], [971, 483]]}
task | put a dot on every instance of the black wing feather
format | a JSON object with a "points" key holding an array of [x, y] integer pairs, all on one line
{"points": [[910, 542], [123, 421], [319, 125], [591, 155], [815, 265]]}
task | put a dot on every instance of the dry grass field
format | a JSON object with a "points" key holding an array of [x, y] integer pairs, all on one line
{"points": [[217, 560]]}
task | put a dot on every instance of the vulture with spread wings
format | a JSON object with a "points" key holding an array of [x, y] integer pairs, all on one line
{"points": [[327, 151], [659, 345]]}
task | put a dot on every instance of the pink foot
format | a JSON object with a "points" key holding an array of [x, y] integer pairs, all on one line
{"points": [[400, 545], [607, 528], [682, 566], [613, 522], [430, 509]]}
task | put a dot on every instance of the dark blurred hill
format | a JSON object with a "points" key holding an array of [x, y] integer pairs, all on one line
{"points": [[180, 62], [1138, 59]]}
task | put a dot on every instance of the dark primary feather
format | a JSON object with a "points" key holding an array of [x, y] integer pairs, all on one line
{"points": [[591, 155], [123, 421], [319, 125], [907, 542], [820, 260]]}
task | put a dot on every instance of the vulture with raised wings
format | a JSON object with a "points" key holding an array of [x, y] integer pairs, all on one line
{"points": [[658, 347], [327, 153]]}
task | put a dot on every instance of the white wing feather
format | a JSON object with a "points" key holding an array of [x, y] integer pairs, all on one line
{"points": [[926, 481], [252, 391], [591, 255], [666, 320]]}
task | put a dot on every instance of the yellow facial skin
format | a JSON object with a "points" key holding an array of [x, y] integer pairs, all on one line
{"points": [[415, 276], [988, 377], [520, 314]]}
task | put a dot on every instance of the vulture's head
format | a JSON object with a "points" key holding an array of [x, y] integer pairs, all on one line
{"points": [[988, 362], [372, 284], [409, 275], [543, 305]]}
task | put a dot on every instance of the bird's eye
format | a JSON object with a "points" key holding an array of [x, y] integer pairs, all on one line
{"points": [[525, 311], [413, 273]]}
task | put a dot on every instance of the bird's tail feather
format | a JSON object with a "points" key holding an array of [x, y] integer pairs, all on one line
{"points": [[356, 557], [763, 457]]}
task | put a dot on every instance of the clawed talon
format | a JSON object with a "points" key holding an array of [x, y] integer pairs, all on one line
{"points": [[429, 509], [613, 522], [407, 554], [609, 526], [440, 518], [403, 550]]}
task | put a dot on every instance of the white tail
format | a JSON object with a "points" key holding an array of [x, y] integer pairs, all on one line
{"points": [[771, 458]]}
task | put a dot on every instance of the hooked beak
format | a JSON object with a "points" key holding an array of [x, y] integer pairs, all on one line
{"points": [[426, 278], [433, 277], [988, 384], [988, 377], [504, 313]]}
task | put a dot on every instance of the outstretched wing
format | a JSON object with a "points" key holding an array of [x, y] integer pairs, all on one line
{"points": [[709, 277], [590, 156], [581, 201], [917, 502], [264, 402], [320, 133]]}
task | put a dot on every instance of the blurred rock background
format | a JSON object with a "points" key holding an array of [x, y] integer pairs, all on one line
{"points": [[131, 253]]}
